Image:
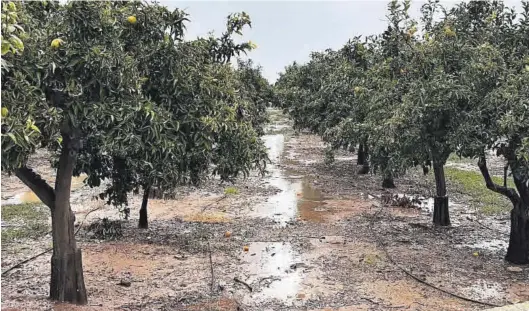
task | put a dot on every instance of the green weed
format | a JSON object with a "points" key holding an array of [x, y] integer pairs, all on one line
{"points": [[231, 191], [472, 184], [29, 220]]}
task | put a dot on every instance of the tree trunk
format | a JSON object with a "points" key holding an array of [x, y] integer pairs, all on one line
{"points": [[365, 165], [361, 155], [387, 182], [441, 216], [518, 249], [144, 223], [67, 281]]}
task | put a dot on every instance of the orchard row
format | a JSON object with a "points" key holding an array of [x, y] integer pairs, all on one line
{"points": [[455, 81], [113, 91]]}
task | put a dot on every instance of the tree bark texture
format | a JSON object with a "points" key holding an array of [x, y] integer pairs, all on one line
{"points": [[144, 223], [67, 281], [441, 216], [361, 155]]}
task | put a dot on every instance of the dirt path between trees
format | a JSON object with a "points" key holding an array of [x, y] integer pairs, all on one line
{"points": [[311, 230]]}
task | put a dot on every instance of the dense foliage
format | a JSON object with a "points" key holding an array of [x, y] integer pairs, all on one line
{"points": [[455, 81], [112, 91]]}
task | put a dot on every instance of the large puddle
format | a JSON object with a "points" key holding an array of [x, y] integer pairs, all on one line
{"points": [[273, 270], [296, 197]]}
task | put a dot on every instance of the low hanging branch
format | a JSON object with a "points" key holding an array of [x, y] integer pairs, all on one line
{"points": [[503, 190], [38, 185]]}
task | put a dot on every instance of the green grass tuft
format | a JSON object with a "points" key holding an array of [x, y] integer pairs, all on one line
{"points": [[29, 220], [231, 191], [472, 184]]}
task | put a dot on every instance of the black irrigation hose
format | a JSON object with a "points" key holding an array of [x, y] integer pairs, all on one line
{"points": [[379, 241], [18, 265]]}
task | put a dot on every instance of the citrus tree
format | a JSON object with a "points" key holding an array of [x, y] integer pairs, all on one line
{"points": [[193, 85], [59, 93], [496, 77]]}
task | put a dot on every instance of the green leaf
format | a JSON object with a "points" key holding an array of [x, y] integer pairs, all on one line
{"points": [[5, 47], [12, 136]]}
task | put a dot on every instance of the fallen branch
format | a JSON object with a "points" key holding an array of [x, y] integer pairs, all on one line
{"points": [[391, 260], [236, 279], [86, 216]]}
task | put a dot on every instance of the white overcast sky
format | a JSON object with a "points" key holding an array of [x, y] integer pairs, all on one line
{"points": [[289, 30]]}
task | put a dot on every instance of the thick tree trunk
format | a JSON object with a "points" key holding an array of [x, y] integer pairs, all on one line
{"points": [[388, 182], [67, 281], [365, 165], [361, 155], [441, 217], [144, 223], [518, 249]]}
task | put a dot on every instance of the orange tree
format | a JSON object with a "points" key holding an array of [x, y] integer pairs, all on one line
{"points": [[73, 81], [496, 76], [85, 88], [203, 132]]}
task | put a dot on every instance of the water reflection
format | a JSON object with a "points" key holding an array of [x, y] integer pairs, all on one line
{"points": [[271, 267], [296, 196]]}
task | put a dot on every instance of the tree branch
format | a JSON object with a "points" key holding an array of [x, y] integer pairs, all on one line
{"points": [[506, 191], [38, 185]]}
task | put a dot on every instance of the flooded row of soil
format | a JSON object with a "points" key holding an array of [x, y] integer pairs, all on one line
{"points": [[307, 236]]}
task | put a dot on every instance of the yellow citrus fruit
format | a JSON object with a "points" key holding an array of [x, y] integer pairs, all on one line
{"points": [[246, 248], [56, 43], [449, 32], [131, 19], [476, 254], [227, 234], [4, 112]]}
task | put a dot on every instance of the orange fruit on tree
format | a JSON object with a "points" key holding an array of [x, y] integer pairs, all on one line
{"points": [[227, 234], [246, 248], [131, 19]]}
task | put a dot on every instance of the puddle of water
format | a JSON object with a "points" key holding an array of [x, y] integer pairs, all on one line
{"points": [[297, 197], [311, 205], [269, 266], [31, 197], [281, 207]]}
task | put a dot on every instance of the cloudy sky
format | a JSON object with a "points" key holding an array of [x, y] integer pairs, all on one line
{"points": [[289, 30]]}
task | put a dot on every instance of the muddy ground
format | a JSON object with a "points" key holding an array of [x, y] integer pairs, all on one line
{"points": [[319, 237]]}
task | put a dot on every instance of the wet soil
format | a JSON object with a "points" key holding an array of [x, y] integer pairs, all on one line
{"points": [[307, 236]]}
